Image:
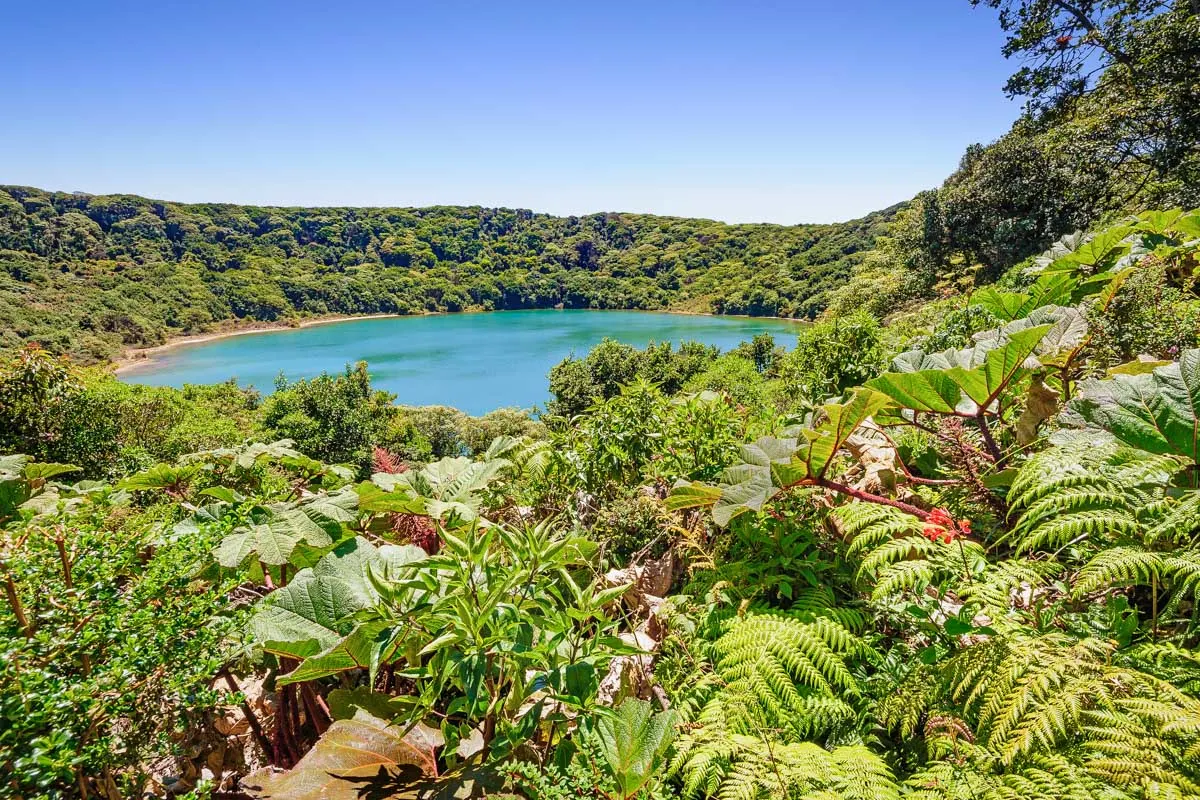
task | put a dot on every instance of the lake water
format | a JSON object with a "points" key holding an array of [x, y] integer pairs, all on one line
{"points": [[475, 362]]}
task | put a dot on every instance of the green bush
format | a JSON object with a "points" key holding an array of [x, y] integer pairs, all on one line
{"points": [[833, 355], [334, 418]]}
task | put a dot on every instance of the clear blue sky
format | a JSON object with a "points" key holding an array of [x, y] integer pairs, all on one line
{"points": [[801, 111]]}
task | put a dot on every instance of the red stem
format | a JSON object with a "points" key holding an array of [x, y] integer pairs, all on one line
{"points": [[318, 715], [867, 497]]}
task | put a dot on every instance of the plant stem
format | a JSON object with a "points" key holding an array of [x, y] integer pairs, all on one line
{"points": [[1154, 606], [966, 570], [255, 727], [859, 494], [14, 600], [317, 711], [989, 442], [66, 561]]}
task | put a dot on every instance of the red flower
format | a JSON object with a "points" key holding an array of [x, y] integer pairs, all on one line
{"points": [[383, 461], [940, 526]]}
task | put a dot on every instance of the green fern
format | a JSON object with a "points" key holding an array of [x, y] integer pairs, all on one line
{"points": [[717, 764], [777, 671], [893, 556], [1004, 590], [1054, 717], [1113, 507], [1087, 488], [1177, 665]]}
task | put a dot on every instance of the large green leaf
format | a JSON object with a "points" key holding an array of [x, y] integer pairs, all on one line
{"points": [[1158, 412], [269, 543], [919, 361], [13, 466], [691, 494], [312, 614], [448, 487], [346, 703], [1159, 221], [749, 485], [162, 476], [1051, 288], [1068, 330], [819, 444], [365, 647], [373, 498], [1001, 304], [930, 390], [633, 743], [246, 457], [1188, 226], [23, 485], [315, 522], [44, 470], [769, 464], [1000, 366], [338, 506], [1095, 253]]}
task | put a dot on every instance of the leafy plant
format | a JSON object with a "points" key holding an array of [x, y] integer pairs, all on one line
{"points": [[632, 743]]}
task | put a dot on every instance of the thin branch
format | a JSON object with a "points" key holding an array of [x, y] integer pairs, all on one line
{"points": [[18, 609], [1088, 25], [255, 728]]}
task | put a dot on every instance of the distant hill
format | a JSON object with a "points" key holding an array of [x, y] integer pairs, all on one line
{"points": [[88, 275]]}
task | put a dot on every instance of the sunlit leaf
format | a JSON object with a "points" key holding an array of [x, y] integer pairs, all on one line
{"points": [[354, 758]]}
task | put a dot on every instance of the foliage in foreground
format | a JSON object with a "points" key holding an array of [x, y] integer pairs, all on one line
{"points": [[970, 574]]}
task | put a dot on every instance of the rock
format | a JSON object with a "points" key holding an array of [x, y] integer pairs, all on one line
{"points": [[877, 455]]}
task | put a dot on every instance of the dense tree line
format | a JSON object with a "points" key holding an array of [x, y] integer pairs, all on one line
{"points": [[87, 275], [1111, 127]]}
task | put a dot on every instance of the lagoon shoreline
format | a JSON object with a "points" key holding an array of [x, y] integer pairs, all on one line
{"points": [[137, 358]]}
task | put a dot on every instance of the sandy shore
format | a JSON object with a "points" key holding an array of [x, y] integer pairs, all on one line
{"points": [[144, 356]]}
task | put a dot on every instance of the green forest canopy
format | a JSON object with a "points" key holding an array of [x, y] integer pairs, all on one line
{"points": [[946, 548], [86, 275]]}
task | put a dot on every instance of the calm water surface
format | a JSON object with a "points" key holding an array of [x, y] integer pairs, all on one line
{"points": [[475, 362]]}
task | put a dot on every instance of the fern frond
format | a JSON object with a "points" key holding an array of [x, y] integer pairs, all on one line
{"points": [[1058, 531], [1006, 584], [869, 525], [715, 763], [907, 576], [1124, 566]]}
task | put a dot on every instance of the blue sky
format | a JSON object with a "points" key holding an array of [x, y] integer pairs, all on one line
{"points": [[802, 111]]}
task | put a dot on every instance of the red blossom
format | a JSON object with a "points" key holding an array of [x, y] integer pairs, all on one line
{"points": [[940, 526], [383, 461]]}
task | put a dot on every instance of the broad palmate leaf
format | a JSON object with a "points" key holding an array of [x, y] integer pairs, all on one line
{"points": [[1157, 412]]}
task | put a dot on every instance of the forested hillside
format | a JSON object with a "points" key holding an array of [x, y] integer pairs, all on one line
{"points": [[945, 545], [87, 275]]}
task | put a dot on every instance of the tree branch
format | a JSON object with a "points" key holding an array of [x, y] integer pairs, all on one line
{"points": [[1088, 25]]}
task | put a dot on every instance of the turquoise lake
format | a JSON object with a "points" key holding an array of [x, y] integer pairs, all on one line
{"points": [[475, 362]]}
